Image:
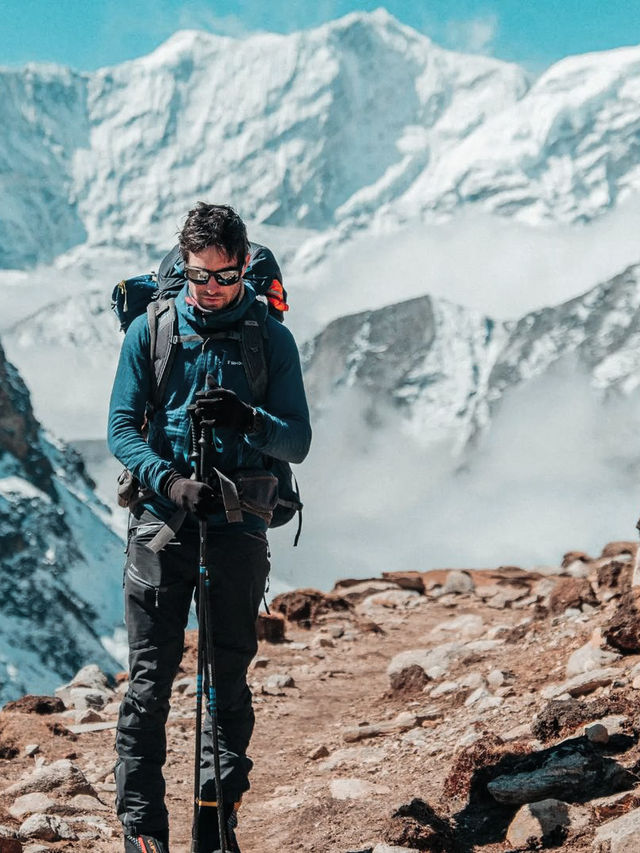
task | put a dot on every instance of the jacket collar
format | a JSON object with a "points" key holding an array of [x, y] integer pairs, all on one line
{"points": [[222, 319]]}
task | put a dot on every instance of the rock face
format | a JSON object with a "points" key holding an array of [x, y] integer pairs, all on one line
{"points": [[58, 558]]}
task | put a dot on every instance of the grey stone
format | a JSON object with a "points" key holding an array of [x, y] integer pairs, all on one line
{"points": [[473, 680], [619, 835], [496, 678], [61, 773], [443, 688], [467, 626], [458, 582], [441, 656], [31, 804], [535, 820], [588, 658], [86, 697], [597, 733], [31, 749], [279, 680], [583, 684], [46, 828]]}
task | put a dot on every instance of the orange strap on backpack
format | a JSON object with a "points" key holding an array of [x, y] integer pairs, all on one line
{"points": [[275, 295]]}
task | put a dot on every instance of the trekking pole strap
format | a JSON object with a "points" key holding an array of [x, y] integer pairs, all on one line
{"points": [[230, 497], [167, 531]]}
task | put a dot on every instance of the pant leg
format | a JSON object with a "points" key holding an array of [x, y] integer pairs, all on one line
{"points": [[239, 566], [158, 593]]}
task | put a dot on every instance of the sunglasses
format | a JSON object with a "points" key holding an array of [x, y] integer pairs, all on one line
{"points": [[198, 275]]}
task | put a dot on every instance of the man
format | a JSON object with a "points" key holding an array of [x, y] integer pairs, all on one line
{"points": [[159, 585]]}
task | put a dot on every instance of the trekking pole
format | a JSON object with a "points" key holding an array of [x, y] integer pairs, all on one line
{"points": [[195, 841], [206, 659]]}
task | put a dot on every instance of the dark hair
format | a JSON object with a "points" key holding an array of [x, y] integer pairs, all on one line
{"points": [[215, 225]]}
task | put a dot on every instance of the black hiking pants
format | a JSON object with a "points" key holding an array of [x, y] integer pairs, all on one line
{"points": [[158, 593]]}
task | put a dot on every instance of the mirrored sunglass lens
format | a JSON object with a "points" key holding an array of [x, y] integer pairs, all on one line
{"points": [[200, 276], [228, 277]]}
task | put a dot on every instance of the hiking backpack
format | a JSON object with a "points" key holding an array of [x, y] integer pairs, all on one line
{"points": [[156, 294]]}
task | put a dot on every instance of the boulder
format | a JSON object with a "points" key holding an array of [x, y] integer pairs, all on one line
{"points": [[571, 593], [46, 828], [61, 774], [406, 580], [31, 804], [31, 704], [545, 822], [564, 716], [620, 835], [581, 685], [623, 629], [622, 548], [305, 606], [573, 771], [588, 658], [458, 582]]}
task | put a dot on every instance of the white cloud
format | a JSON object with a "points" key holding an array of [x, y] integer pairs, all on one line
{"points": [[474, 35]]}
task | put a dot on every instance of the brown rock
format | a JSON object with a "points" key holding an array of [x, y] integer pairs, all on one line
{"points": [[36, 705], [406, 580], [615, 549], [623, 629], [121, 677], [613, 576], [304, 606], [417, 826], [571, 557], [571, 592], [561, 717], [271, 627], [318, 752], [409, 680]]}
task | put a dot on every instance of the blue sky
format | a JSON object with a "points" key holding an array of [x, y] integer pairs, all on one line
{"points": [[87, 34]]}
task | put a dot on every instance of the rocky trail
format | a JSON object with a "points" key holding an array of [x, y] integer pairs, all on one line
{"points": [[451, 711]]}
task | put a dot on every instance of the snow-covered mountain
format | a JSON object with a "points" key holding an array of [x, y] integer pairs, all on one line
{"points": [[60, 562], [362, 123], [297, 130], [446, 368]]}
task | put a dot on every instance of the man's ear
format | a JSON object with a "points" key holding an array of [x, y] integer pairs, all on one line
{"points": [[246, 263]]}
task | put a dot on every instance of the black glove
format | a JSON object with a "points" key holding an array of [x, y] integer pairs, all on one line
{"points": [[220, 407], [195, 497]]}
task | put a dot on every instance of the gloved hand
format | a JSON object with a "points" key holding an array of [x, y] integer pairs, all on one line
{"points": [[195, 497], [220, 407]]}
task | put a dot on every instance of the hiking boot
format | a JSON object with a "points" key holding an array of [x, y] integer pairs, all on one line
{"points": [[208, 831], [144, 844]]}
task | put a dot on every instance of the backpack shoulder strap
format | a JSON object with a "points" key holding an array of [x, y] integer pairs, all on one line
{"points": [[252, 344], [163, 331]]}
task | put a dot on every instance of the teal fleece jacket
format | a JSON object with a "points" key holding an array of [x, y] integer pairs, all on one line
{"points": [[285, 431]]}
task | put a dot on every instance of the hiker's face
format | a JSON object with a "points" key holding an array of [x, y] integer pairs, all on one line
{"points": [[213, 296]]}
